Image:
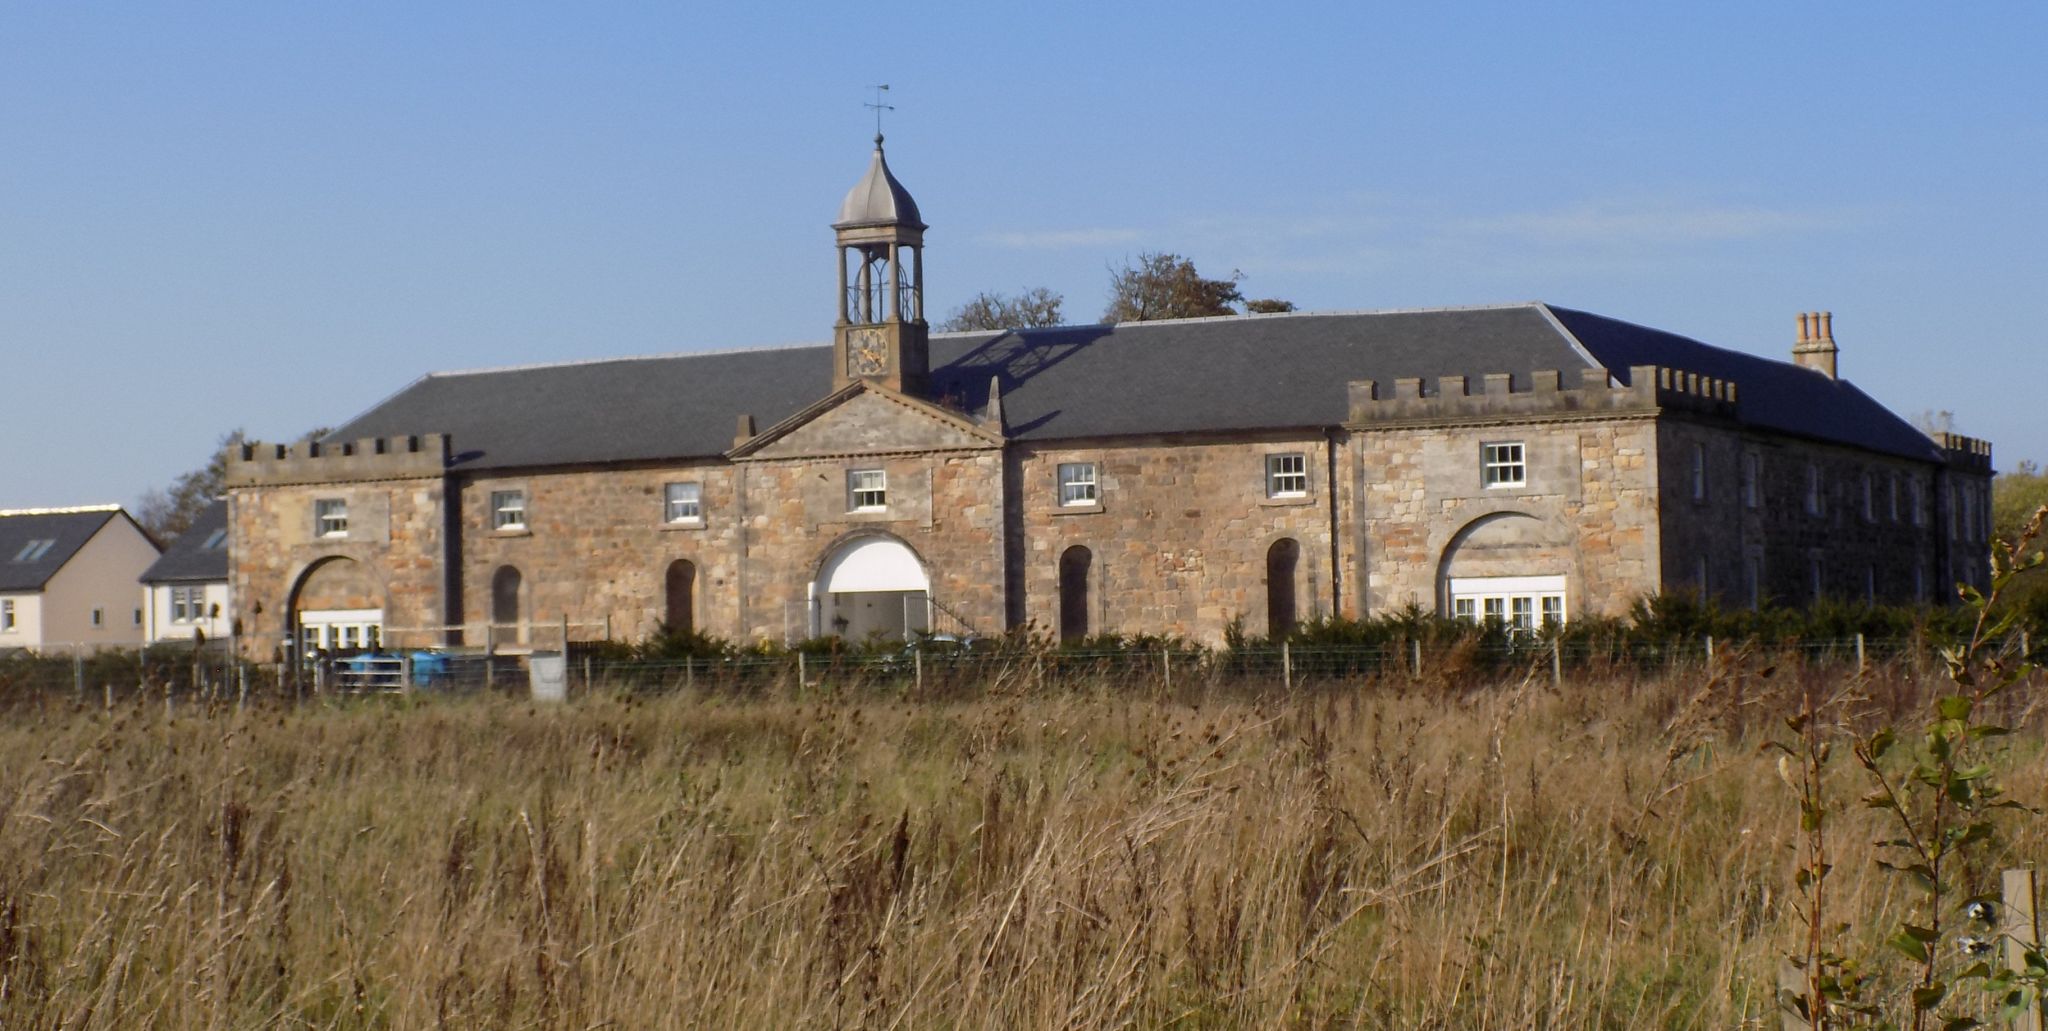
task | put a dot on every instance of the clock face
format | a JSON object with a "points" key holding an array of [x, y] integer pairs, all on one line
{"points": [[867, 353]]}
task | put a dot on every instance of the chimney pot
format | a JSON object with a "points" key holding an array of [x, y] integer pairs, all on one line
{"points": [[1803, 335]]}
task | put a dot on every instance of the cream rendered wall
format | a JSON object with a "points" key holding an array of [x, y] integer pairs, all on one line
{"points": [[105, 574], [28, 622], [160, 626]]}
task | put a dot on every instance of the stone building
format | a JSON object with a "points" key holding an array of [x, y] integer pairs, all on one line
{"points": [[1524, 461]]}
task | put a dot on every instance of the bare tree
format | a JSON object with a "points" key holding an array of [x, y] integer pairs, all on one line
{"points": [[1029, 309], [166, 513], [1166, 286]]}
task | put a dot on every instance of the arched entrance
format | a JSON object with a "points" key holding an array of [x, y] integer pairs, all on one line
{"points": [[1281, 560], [871, 586], [337, 605], [681, 591], [1075, 565], [1506, 566]]}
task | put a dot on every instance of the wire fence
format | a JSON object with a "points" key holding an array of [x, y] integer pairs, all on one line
{"points": [[211, 677]]}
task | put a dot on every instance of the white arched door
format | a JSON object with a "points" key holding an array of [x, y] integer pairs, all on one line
{"points": [[869, 587]]}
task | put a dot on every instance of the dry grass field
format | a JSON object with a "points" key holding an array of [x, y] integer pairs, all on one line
{"points": [[1617, 852]]}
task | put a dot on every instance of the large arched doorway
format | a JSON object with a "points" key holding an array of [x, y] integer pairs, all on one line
{"points": [[1281, 561], [871, 586], [1076, 563], [506, 620], [1506, 566], [337, 606], [680, 590]]}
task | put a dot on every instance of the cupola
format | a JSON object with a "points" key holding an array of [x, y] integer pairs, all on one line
{"points": [[881, 335]]}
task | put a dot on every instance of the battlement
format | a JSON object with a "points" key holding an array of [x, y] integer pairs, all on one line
{"points": [[371, 458], [1965, 452], [1650, 388]]}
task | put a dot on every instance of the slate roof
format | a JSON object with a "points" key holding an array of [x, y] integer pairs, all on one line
{"points": [[1264, 372], [67, 528], [188, 559]]}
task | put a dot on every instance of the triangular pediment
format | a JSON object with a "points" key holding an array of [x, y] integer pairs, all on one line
{"points": [[864, 419]]}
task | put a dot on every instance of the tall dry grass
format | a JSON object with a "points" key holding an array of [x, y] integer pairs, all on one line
{"points": [[1608, 854]]}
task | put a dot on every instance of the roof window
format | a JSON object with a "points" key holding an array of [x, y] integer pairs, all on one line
{"points": [[215, 541], [35, 549]]}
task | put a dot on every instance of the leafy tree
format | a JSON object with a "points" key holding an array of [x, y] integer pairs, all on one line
{"points": [[1166, 286], [166, 513], [1030, 309], [2015, 496], [1267, 306]]}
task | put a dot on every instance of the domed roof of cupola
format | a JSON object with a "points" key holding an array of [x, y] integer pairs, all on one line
{"points": [[878, 199]]}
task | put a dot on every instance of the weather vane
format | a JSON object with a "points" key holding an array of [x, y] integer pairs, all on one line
{"points": [[879, 108]]}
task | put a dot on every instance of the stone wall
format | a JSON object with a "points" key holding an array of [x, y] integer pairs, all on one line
{"points": [[391, 558], [1589, 497], [1770, 545], [1180, 538], [596, 549]]}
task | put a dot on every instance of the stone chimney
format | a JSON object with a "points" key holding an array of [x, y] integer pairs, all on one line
{"points": [[1816, 347]]}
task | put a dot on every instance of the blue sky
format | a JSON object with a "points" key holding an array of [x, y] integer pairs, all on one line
{"points": [[270, 216]]}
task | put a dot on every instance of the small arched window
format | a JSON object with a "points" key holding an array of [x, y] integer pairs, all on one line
{"points": [[1281, 559], [681, 592], [1075, 565]]}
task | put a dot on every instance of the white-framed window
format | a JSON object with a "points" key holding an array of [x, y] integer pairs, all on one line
{"points": [[1869, 499], [99, 617], [683, 503], [188, 604], [1519, 601], [1895, 497], [1699, 471], [1078, 484], [35, 549], [867, 490], [1812, 488], [1503, 463], [1287, 475], [508, 510], [1918, 496], [330, 517], [1752, 476], [6, 614]]}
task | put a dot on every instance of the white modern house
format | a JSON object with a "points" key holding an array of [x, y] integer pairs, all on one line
{"points": [[68, 578], [185, 593]]}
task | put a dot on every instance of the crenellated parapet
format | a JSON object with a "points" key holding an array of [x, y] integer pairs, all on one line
{"points": [[1453, 399], [1968, 453], [356, 461]]}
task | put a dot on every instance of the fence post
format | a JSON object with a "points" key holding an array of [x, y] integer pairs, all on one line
{"points": [[1166, 667], [78, 671], [690, 672], [1710, 649], [241, 685], [1415, 655], [1286, 666], [1859, 653], [490, 651], [1556, 662], [2021, 930], [917, 666], [803, 676]]}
